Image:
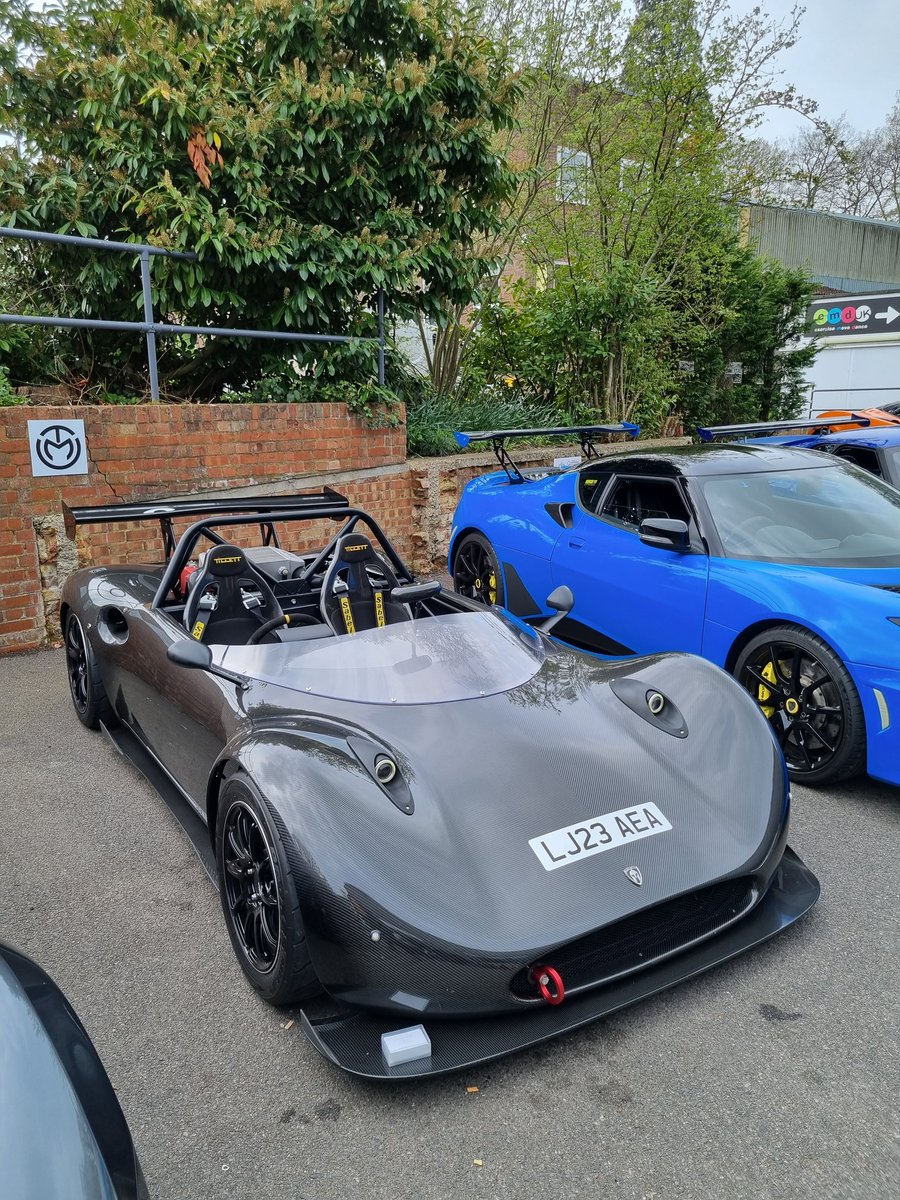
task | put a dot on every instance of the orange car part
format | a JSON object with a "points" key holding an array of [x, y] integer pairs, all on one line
{"points": [[875, 416]]}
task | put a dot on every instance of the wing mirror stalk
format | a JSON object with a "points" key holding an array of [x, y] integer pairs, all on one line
{"points": [[196, 655], [666, 533], [563, 601]]}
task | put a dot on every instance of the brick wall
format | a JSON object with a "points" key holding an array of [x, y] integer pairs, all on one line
{"points": [[172, 451], [149, 451]]}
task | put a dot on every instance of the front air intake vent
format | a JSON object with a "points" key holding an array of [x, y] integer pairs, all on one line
{"points": [[637, 941]]}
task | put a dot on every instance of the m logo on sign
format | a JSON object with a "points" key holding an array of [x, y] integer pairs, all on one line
{"points": [[57, 448]]}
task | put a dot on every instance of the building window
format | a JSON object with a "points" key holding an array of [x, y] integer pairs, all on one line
{"points": [[547, 273], [630, 171], [572, 175]]}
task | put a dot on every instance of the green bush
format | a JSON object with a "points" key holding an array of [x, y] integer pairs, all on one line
{"points": [[7, 396], [584, 348], [430, 422]]}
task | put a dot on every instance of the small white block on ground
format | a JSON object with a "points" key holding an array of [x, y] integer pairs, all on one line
{"points": [[405, 1045]]}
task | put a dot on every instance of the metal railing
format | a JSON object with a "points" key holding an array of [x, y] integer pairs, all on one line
{"points": [[150, 327]]}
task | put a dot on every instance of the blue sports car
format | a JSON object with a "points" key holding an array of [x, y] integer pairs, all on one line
{"points": [[778, 564]]}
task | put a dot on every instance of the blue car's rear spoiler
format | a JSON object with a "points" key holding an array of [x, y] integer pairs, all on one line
{"points": [[585, 434], [809, 425]]}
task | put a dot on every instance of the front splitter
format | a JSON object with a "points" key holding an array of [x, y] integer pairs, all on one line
{"points": [[353, 1041]]}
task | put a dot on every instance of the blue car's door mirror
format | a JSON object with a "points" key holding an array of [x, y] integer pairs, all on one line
{"points": [[666, 533]]}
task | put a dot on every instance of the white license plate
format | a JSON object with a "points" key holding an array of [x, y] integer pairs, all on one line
{"points": [[593, 836]]}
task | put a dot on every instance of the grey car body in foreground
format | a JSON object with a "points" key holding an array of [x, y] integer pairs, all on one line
{"points": [[62, 1132], [435, 898]]}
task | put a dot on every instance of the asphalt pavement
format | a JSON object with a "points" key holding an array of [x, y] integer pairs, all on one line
{"points": [[775, 1076]]}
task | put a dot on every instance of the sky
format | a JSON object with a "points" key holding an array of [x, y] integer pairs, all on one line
{"points": [[847, 58]]}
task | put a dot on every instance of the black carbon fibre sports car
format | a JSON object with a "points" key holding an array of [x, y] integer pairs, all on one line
{"points": [[426, 809]]}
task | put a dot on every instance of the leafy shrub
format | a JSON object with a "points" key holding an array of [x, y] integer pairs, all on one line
{"points": [[430, 423], [7, 396]]}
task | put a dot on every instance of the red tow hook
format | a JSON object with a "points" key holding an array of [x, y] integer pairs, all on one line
{"points": [[550, 984]]}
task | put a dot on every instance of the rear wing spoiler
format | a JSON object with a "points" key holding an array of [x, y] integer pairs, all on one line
{"points": [[584, 434], [166, 511], [714, 432]]}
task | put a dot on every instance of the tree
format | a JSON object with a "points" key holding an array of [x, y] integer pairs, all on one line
{"points": [[830, 167], [311, 153], [544, 40], [818, 163], [667, 93], [673, 346], [747, 310], [657, 107], [637, 265]]}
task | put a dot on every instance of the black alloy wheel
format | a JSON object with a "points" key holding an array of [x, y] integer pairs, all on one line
{"points": [[85, 684], [476, 571], [250, 888], [259, 895], [808, 697]]}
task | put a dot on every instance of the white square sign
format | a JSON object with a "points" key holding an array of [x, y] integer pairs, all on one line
{"points": [[57, 448]]}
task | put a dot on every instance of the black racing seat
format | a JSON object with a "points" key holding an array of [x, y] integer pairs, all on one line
{"points": [[243, 599], [350, 600], [626, 506]]}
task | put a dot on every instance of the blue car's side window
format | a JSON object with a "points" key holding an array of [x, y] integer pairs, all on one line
{"points": [[862, 456], [591, 486], [632, 500]]}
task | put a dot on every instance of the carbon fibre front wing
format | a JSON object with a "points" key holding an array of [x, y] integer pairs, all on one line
{"points": [[353, 1040]]}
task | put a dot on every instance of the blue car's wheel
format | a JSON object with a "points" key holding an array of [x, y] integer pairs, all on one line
{"points": [[476, 570], [808, 697]]}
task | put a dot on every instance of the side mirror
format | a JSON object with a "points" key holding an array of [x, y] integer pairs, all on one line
{"points": [[408, 593], [197, 655], [188, 653], [563, 601], [666, 533]]}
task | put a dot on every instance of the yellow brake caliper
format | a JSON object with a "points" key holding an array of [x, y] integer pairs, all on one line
{"points": [[492, 588], [763, 694]]}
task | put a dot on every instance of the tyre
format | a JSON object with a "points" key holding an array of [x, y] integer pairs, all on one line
{"points": [[259, 897], [85, 682], [476, 570], [809, 699]]}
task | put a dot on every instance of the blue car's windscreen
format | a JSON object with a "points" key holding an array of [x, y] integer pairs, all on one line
{"points": [[454, 657], [822, 516]]}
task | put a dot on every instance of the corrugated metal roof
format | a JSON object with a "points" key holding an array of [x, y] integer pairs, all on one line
{"points": [[849, 254]]}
